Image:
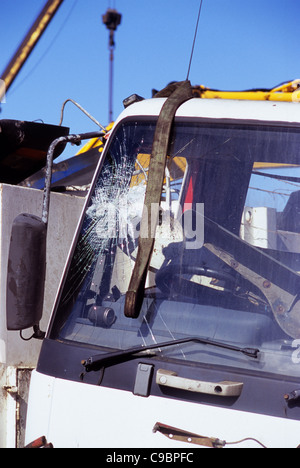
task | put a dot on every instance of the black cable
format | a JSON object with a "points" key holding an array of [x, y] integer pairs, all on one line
{"points": [[195, 36]]}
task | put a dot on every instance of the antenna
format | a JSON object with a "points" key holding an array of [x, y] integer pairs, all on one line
{"points": [[111, 19], [195, 36]]}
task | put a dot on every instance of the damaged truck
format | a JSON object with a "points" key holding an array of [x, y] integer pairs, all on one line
{"points": [[176, 322]]}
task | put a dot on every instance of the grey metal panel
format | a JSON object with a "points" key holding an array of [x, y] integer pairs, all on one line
{"points": [[15, 353]]}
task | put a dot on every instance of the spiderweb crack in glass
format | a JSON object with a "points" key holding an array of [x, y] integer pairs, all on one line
{"points": [[116, 208]]}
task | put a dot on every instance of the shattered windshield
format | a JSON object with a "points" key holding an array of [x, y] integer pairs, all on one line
{"points": [[226, 255]]}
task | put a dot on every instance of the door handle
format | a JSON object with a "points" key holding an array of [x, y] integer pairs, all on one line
{"points": [[224, 389]]}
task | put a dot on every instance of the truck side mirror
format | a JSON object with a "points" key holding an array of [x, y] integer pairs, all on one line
{"points": [[26, 271], [26, 274]]}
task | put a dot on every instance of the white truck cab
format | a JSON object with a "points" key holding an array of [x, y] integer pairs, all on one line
{"points": [[210, 356]]}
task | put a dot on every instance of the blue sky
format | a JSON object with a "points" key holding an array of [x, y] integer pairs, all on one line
{"points": [[240, 45]]}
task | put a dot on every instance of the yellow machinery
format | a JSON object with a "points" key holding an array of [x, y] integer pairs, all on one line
{"points": [[285, 92]]}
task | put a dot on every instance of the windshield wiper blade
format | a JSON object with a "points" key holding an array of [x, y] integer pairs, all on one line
{"points": [[97, 362]]}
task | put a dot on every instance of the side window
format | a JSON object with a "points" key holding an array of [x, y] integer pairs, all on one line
{"points": [[271, 218]]}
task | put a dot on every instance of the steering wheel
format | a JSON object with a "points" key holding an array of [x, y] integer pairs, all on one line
{"points": [[164, 276]]}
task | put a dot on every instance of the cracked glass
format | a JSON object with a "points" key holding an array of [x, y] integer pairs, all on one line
{"points": [[226, 255]]}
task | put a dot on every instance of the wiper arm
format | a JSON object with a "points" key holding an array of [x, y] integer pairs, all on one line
{"points": [[95, 363]]}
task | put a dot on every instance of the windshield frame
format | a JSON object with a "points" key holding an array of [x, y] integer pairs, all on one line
{"points": [[151, 118]]}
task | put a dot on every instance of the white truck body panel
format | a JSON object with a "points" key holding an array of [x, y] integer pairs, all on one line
{"points": [[220, 109], [75, 416]]}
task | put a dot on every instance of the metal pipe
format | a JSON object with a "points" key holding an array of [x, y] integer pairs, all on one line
{"points": [[111, 84], [75, 139]]}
